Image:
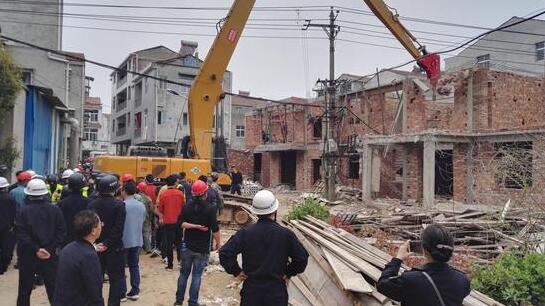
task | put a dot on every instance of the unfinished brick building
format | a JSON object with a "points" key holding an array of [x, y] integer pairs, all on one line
{"points": [[480, 140], [286, 141]]}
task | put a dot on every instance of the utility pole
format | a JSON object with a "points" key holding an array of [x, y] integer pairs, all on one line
{"points": [[331, 30]]}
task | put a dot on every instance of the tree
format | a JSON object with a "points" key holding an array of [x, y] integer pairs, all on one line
{"points": [[10, 82], [10, 86]]}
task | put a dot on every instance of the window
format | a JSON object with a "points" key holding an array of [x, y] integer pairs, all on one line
{"points": [[138, 120], [91, 116], [354, 167], [540, 51], [90, 134], [184, 119], [128, 119], [514, 164], [26, 76], [240, 130], [163, 83], [483, 60], [113, 125], [317, 133], [160, 117]]}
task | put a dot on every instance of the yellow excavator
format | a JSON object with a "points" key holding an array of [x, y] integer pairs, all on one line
{"points": [[206, 92]]}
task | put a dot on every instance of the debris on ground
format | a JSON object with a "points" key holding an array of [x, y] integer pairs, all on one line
{"points": [[343, 269]]}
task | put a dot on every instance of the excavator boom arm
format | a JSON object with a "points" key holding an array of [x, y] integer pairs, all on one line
{"points": [[207, 91], [430, 63]]}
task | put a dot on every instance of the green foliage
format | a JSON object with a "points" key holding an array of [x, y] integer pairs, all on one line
{"points": [[310, 207], [513, 280], [8, 153], [10, 81]]}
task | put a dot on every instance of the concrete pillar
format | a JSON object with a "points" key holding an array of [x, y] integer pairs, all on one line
{"points": [[367, 171], [404, 113], [470, 197], [429, 174], [405, 173], [469, 103]]}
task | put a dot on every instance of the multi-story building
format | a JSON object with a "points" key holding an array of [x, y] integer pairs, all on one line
{"points": [[241, 105], [96, 131], [520, 49], [46, 120], [147, 111]]}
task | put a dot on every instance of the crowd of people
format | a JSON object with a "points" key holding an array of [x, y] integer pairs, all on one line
{"points": [[72, 234], [76, 233]]}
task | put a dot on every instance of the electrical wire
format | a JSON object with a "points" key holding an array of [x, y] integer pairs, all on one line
{"points": [[74, 57]]}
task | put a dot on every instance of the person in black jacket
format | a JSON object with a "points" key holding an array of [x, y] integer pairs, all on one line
{"points": [[271, 254], [40, 233], [435, 284], [7, 223], [110, 245], [236, 181], [79, 278], [73, 204]]}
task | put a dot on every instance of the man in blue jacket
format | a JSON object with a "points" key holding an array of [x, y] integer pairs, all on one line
{"points": [[79, 278]]}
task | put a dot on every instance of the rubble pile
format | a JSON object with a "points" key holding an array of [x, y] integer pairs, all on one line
{"points": [[343, 269], [481, 232]]}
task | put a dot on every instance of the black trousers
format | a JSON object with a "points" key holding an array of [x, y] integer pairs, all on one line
{"points": [[235, 188], [113, 264], [29, 266], [264, 295], [169, 242], [6, 251]]}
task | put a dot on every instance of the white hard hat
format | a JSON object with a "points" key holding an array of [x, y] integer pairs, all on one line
{"points": [[264, 203], [3, 182], [36, 187], [31, 172], [67, 173], [76, 170]]}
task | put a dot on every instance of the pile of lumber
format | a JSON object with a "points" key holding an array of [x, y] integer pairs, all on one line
{"points": [[343, 269], [482, 232]]}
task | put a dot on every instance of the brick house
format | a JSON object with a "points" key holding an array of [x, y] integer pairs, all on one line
{"points": [[480, 140]]}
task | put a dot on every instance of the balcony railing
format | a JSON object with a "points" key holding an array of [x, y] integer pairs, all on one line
{"points": [[121, 106], [121, 81], [121, 131]]}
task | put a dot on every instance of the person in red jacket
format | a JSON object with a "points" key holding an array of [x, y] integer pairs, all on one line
{"points": [[169, 207]]}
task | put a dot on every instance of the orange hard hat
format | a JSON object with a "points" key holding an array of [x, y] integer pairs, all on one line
{"points": [[127, 177], [141, 186], [24, 176], [199, 188]]}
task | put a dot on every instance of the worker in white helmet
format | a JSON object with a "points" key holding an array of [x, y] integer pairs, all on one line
{"points": [[271, 254], [40, 233]]}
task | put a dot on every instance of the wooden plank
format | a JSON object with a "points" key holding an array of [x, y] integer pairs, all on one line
{"points": [[349, 279], [364, 266], [299, 294], [323, 284]]}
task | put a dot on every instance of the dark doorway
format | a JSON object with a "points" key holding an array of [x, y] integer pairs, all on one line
{"points": [[316, 173], [443, 173], [288, 166], [257, 167]]}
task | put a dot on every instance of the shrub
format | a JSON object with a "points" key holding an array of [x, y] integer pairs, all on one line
{"points": [[310, 207], [513, 280]]}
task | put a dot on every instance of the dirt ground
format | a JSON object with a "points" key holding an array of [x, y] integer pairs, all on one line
{"points": [[158, 286]]}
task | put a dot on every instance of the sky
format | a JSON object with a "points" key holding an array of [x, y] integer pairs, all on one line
{"points": [[289, 61]]}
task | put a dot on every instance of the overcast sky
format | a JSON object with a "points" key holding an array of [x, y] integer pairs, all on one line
{"points": [[289, 64]]}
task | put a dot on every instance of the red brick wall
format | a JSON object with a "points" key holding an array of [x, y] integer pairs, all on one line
{"points": [[243, 160]]}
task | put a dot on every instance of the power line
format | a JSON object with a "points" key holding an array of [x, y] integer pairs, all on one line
{"points": [[143, 74], [316, 8], [263, 26]]}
